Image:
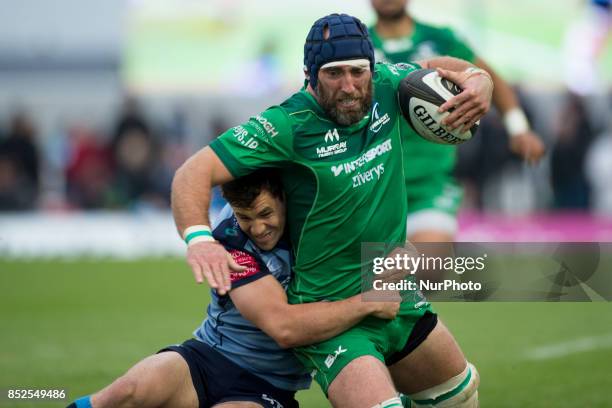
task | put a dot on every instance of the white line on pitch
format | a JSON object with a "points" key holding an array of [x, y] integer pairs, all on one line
{"points": [[570, 347]]}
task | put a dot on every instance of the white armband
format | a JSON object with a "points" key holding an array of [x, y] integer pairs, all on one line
{"points": [[515, 122], [197, 233]]}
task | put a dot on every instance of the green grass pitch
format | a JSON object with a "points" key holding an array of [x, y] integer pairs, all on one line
{"points": [[77, 325]]}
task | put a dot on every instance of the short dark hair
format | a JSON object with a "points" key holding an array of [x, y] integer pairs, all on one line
{"points": [[244, 190]]}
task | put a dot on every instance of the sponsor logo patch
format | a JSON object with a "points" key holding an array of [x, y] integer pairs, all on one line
{"points": [[243, 137], [325, 151], [332, 136], [331, 358], [244, 259], [373, 174], [268, 127], [371, 154], [379, 121]]}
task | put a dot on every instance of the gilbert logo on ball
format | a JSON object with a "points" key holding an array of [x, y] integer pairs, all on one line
{"points": [[420, 94]]}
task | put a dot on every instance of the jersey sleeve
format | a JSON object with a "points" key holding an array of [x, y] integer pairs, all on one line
{"points": [[394, 73], [254, 270], [264, 141]]}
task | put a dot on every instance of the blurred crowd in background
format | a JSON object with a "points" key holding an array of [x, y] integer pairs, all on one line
{"points": [[128, 164], [125, 157]]}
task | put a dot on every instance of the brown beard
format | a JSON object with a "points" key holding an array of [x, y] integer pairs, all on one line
{"points": [[392, 17], [391, 11], [346, 117]]}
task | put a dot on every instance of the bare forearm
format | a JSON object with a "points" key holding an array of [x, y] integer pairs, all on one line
{"points": [[264, 302], [504, 98], [523, 141], [191, 188], [449, 63], [310, 323], [191, 196]]}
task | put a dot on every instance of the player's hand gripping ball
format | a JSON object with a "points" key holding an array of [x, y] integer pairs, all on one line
{"points": [[420, 94]]}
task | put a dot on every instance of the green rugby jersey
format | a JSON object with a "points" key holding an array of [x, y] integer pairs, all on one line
{"points": [[344, 184], [423, 157]]}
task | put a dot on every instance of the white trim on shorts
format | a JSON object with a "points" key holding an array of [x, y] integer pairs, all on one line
{"points": [[431, 220]]}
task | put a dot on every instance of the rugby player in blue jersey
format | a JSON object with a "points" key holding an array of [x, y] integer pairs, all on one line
{"points": [[238, 356]]}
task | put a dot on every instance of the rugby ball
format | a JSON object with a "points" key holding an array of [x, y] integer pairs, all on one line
{"points": [[420, 95]]}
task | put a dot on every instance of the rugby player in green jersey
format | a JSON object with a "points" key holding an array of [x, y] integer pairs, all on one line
{"points": [[339, 146], [432, 193]]}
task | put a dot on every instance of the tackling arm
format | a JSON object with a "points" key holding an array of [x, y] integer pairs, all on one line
{"points": [[191, 188], [264, 302], [190, 201]]}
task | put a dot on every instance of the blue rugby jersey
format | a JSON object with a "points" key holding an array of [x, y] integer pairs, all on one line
{"points": [[234, 336]]}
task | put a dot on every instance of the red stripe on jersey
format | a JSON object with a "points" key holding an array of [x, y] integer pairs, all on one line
{"points": [[244, 259]]}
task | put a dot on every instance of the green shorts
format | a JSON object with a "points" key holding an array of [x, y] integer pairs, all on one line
{"points": [[439, 192], [433, 204], [379, 338]]}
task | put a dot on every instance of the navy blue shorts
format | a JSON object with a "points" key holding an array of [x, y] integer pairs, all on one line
{"points": [[217, 379]]}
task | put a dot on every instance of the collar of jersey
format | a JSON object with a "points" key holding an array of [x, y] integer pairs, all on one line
{"points": [[415, 36], [316, 108]]}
